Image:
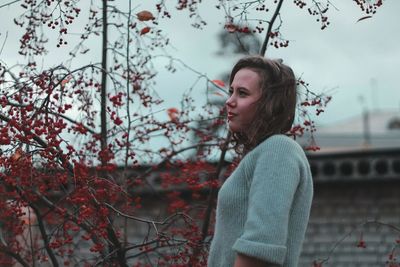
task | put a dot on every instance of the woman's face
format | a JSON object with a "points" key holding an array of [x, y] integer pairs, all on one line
{"points": [[244, 92]]}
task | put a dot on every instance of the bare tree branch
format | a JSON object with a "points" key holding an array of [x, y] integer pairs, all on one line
{"points": [[43, 233], [9, 3], [271, 24]]}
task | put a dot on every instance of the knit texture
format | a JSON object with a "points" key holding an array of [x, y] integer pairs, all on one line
{"points": [[264, 206]]}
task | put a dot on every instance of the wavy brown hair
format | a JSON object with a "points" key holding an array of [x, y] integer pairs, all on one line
{"points": [[277, 105]]}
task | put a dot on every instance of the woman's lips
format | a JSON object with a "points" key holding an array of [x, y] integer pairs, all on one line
{"points": [[231, 115]]}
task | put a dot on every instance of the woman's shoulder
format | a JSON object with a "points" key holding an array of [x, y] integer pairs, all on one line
{"points": [[278, 142], [276, 146]]}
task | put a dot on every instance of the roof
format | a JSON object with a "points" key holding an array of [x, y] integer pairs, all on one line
{"points": [[378, 122], [372, 130]]}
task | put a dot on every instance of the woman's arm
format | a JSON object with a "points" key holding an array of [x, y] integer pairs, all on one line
{"points": [[246, 261]]}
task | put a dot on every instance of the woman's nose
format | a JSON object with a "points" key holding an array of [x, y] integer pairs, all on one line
{"points": [[230, 101]]}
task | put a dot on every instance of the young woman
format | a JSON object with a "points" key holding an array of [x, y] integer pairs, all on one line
{"points": [[263, 207]]}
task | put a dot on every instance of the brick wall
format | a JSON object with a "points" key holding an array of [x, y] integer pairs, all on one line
{"points": [[339, 221]]}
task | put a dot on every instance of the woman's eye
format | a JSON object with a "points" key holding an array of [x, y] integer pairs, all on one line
{"points": [[230, 92], [241, 93]]}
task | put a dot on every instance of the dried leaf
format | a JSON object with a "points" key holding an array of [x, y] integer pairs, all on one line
{"points": [[173, 113], [84, 51], [65, 81], [145, 15], [230, 28], [144, 30], [28, 216], [366, 17], [218, 83], [18, 154], [21, 156]]}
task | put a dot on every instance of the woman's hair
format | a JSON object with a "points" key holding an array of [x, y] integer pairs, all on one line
{"points": [[277, 105]]}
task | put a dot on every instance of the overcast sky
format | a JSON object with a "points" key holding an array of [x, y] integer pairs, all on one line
{"points": [[347, 60]]}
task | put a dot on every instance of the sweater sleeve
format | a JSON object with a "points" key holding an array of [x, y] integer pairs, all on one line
{"points": [[275, 179]]}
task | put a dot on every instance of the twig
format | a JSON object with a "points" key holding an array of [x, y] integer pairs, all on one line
{"points": [[271, 24], [128, 98], [148, 221], [45, 238], [352, 231], [10, 3], [17, 257], [42, 143], [4, 43]]}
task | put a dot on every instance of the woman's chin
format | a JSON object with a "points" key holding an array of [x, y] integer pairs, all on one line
{"points": [[233, 128]]}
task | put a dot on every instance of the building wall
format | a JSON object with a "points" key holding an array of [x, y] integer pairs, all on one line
{"points": [[342, 222]]}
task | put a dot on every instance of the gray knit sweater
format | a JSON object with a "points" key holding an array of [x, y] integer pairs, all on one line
{"points": [[263, 207]]}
